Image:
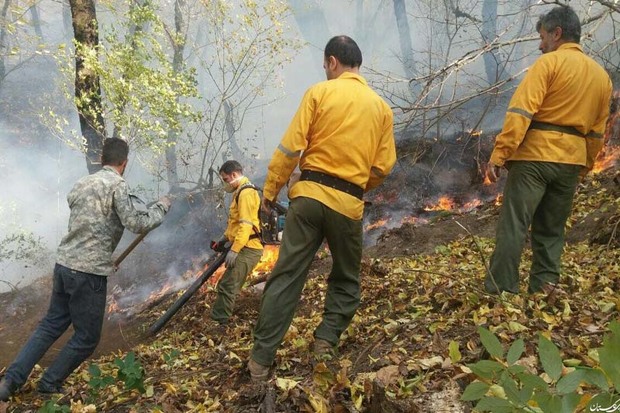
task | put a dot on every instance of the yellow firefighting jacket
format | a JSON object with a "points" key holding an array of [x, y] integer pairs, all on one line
{"points": [[344, 129], [563, 88], [243, 218]]}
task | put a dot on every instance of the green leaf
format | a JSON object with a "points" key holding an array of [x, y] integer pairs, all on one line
{"points": [[548, 403], [491, 343], [475, 391], [526, 392], [515, 351], [94, 370], [511, 389], [596, 378], [487, 369], [517, 369], [533, 381], [495, 405], [453, 351], [550, 358], [570, 382], [570, 402], [608, 354]]}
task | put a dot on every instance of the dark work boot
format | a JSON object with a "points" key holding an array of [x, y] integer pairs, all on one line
{"points": [[258, 372], [44, 389], [6, 389], [323, 350]]}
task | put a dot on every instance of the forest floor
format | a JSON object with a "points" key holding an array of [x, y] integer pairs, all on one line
{"points": [[407, 349]]}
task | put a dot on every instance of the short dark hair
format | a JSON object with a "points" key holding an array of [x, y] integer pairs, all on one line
{"points": [[563, 17], [345, 50], [114, 151], [231, 166]]}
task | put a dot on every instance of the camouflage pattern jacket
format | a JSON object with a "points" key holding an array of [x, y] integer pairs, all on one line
{"points": [[100, 210]]}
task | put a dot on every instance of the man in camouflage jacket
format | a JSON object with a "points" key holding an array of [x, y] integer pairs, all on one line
{"points": [[100, 211]]}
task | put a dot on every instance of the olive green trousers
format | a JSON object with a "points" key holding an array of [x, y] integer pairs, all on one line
{"points": [[539, 194], [308, 222], [231, 282]]}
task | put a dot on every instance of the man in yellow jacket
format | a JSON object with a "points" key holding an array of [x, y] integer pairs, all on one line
{"points": [[342, 139], [243, 233], [552, 133]]}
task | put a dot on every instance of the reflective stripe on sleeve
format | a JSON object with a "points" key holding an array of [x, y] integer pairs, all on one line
{"points": [[376, 172], [521, 112], [288, 153]]}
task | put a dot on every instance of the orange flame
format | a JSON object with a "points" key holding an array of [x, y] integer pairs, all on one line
{"points": [[413, 220], [113, 306], [468, 206], [606, 159], [487, 180], [498, 199], [377, 224], [443, 204], [266, 263], [268, 260]]}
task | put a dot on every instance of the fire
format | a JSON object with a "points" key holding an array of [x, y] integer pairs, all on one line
{"points": [[118, 300], [132, 302], [443, 204], [265, 265], [268, 260], [468, 206], [607, 158], [414, 220], [159, 294], [113, 306], [498, 199], [378, 224], [487, 180]]}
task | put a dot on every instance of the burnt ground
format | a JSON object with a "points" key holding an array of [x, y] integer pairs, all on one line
{"points": [[377, 344]]}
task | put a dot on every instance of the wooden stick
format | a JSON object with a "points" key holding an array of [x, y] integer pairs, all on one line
{"points": [[130, 248]]}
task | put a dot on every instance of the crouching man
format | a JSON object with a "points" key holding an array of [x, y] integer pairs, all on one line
{"points": [[243, 234]]}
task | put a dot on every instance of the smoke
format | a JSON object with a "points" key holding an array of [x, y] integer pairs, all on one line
{"points": [[38, 171], [33, 211]]}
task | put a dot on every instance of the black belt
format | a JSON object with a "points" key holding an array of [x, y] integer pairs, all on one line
{"points": [[557, 128], [332, 182]]}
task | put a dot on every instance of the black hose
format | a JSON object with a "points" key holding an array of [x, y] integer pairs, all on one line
{"points": [[208, 272]]}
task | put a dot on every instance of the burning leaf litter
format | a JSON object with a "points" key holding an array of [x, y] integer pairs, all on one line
{"points": [[407, 348]]}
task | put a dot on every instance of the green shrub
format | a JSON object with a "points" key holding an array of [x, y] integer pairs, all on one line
{"points": [[503, 385]]}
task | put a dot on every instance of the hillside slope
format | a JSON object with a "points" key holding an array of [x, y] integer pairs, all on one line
{"points": [[409, 344]]}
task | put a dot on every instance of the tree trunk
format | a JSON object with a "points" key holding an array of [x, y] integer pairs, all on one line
{"points": [[87, 87], [495, 68], [404, 35], [3, 45], [36, 21], [313, 27], [178, 45], [66, 20], [229, 122]]}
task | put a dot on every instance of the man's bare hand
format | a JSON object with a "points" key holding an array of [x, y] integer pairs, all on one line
{"points": [[493, 172], [166, 200], [266, 205]]}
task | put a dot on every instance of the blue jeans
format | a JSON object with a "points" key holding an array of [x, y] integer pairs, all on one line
{"points": [[78, 298]]}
